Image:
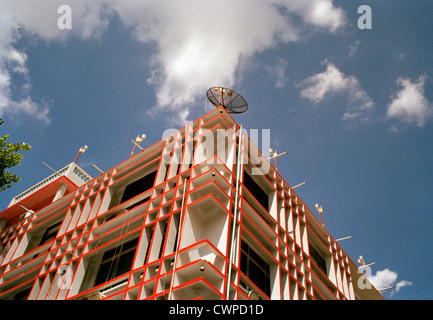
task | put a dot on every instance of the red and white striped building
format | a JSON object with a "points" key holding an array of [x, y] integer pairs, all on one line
{"points": [[202, 214]]}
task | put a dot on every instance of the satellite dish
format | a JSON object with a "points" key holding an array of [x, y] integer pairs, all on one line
{"points": [[232, 101]]}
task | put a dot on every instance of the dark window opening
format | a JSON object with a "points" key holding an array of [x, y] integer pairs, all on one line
{"points": [[318, 259], [257, 192], [23, 295], [161, 247], [135, 188], [50, 233], [138, 203], [177, 230], [116, 262], [194, 145], [255, 268], [166, 172], [149, 239]]}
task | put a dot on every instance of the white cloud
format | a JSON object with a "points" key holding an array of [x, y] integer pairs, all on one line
{"points": [[278, 73], [201, 44], [39, 20], [29, 107], [324, 14], [321, 13], [333, 81], [198, 44], [402, 284], [409, 104], [354, 48], [388, 278], [89, 18], [383, 279], [12, 62]]}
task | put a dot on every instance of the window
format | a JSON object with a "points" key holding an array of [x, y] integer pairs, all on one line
{"points": [[138, 186], [23, 295], [50, 233], [318, 259], [116, 262], [134, 189], [257, 192], [255, 268], [164, 232]]}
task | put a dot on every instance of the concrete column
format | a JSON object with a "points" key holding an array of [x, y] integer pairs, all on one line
{"points": [[60, 192]]}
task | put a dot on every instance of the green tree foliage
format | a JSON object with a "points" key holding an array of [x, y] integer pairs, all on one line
{"points": [[9, 157]]}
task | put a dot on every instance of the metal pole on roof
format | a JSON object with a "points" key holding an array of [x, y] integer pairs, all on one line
{"points": [[94, 166], [387, 288], [28, 210], [49, 167], [299, 185], [367, 265], [176, 256], [345, 238], [56, 172], [235, 215]]}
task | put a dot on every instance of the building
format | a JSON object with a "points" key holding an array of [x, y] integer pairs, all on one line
{"points": [[160, 225]]}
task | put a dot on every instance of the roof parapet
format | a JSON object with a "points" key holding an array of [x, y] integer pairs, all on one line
{"points": [[72, 171]]}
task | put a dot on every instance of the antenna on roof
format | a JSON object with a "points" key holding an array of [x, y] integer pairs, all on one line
{"points": [[232, 101], [94, 166], [48, 167], [299, 185], [56, 172]]}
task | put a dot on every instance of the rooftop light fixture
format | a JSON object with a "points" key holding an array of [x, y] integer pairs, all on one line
{"points": [[275, 155], [320, 210], [136, 143], [361, 261], [82, 150]]}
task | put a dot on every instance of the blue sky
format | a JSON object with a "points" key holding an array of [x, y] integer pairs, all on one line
{"points": [[353, 107]]}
